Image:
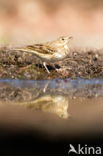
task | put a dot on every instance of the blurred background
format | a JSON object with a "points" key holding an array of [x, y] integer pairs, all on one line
{"points": [[29, 21]]}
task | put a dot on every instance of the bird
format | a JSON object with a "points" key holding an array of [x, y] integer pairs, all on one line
{"points": [[50, 51]]}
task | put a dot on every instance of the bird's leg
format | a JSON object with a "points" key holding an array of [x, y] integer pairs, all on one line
{"points": [[45, 87], [44, 64], [54, 66]]}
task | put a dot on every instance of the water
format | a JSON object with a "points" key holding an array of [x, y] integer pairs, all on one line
{"points": [[72, 106]]}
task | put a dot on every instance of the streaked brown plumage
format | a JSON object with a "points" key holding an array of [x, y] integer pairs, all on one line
{"points": [[50, 51]]}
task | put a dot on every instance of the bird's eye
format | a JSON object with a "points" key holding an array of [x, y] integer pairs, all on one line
{"points": [[62, 39]]}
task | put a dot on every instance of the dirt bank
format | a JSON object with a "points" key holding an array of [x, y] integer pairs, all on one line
{"points": [[79, 63]]}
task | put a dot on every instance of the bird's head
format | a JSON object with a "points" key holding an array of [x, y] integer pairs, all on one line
{"points": [[65, 39]]}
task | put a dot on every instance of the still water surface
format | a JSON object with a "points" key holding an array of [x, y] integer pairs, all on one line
{"points": [[54, 106]]}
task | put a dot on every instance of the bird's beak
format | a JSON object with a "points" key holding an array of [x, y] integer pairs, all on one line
{"points": [[70, 37]]}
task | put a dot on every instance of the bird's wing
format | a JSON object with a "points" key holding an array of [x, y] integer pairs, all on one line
{"points": [[41, 48]]}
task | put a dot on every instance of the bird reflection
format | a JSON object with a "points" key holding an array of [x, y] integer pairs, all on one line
{"points": [[43, 98], [57, 104]]}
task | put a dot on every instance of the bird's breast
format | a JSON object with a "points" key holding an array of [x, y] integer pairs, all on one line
{"points": [[58, 55], [66, 46]]}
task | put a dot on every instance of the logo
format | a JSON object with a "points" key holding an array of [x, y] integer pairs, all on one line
{"points": [[84, 150]]}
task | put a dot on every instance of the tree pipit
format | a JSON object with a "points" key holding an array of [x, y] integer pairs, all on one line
{"points": [[50, 51]]}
